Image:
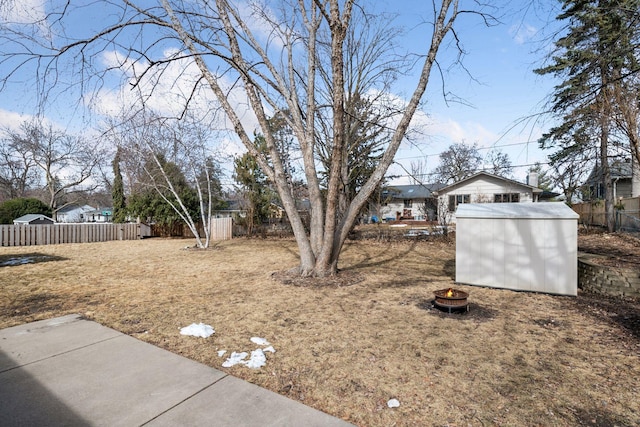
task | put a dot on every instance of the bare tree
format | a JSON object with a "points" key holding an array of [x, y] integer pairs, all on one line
{"points": [[168, 144], [270, 53], [18, 173], [64, 161], [418, 171], [458, 162], [371, 66], [498, 163]]}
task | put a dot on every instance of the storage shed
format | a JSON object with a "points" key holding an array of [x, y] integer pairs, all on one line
{"points": [[521, 246], [33, 219]]}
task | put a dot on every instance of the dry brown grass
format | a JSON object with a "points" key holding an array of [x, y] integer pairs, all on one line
{"points": [[346, 347]]}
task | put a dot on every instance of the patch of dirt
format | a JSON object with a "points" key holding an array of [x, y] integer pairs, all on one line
{"points": [[293, 278], [614, 249]]}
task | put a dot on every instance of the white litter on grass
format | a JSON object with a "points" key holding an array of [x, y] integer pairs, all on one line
{"points": [[393, 403], [257, 360], [259, 341], [234, 359], [197, 330]]}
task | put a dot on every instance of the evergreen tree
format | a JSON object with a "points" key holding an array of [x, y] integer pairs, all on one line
{"points": [[592, 59], [253, 185], [117, 192], [155, 201], [15, 208]]}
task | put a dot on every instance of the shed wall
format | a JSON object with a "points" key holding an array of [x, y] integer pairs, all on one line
{"points": [[526, 254]]}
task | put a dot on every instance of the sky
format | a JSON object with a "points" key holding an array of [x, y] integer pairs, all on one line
{"points": [[501, 96], [497, 88]]}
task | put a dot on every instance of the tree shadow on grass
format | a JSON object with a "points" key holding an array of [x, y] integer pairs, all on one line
{"points": [[449, 268], [600, 418], [620, 311], [380, 258], [12, 260], [34, 303]]}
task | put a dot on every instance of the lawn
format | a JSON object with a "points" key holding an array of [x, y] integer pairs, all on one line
{"points": [[348, 345]]}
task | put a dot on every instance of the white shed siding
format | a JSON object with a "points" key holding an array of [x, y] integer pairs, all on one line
{"points": [[529, 247]]}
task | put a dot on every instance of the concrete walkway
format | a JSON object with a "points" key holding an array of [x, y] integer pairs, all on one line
{"points": [[69, 371]]}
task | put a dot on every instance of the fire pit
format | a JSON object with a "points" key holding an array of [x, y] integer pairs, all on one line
{"points": [[451, 299]]}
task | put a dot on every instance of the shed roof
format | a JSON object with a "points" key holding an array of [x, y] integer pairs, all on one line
{"points": [[550, 210], [25, 219]]}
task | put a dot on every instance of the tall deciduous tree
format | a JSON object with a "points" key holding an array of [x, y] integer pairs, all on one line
{"points": [[371, 66], [270, 53], [18, 173], [498, 163], [64, 161], [458, 162], [594, 59]]}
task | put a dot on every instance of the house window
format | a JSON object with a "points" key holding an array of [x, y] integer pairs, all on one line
{"points": [[408, 203], [506, 198], [456, 199]]}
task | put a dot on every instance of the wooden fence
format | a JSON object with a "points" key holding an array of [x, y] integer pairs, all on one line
{"points": [[45, 234], [221, 228], [627, 214]]}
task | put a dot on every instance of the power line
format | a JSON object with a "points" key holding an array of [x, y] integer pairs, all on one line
{"points": [[429, 174], [478, 148]]}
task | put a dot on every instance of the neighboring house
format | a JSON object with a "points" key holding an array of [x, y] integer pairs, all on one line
{"points": [[99, 215], [233, 210], [407, 202], [33, 219], [73, 213], [483, 187], [625, 177]]}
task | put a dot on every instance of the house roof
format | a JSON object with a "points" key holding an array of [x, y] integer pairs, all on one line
{"points": [[25, 219], [476, 175], [618, 170], [411, 191], [72, 208], [101, 211]]}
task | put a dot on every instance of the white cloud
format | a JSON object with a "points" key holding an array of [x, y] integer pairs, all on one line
{"points": [[12, 120], [522, 33], [25, 12], [22, 11], [167, 91]]}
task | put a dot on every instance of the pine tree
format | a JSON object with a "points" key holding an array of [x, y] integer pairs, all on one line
{"points": [[592, 60]]}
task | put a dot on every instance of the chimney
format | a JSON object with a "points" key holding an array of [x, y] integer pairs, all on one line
{"points": [[532, 179]]}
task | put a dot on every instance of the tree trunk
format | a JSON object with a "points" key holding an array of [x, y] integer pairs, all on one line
{"points": [[605, 116]]}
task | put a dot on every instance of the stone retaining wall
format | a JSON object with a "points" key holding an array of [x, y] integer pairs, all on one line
{"points": [[604, 280]]}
